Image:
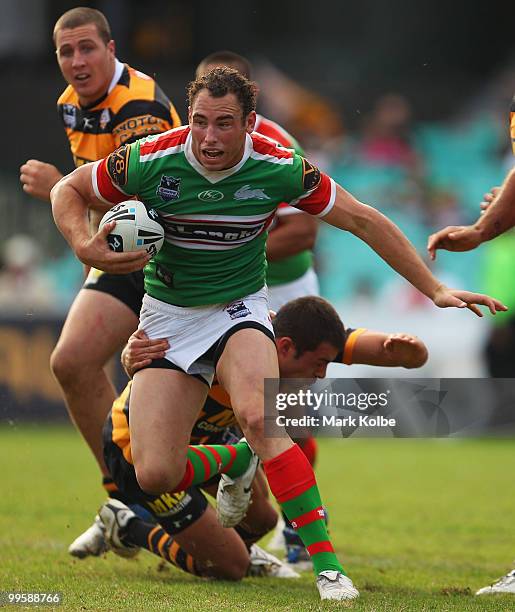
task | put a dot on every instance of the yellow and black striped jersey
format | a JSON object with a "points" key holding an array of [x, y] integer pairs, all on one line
{"points": [[216, 414], [133, 107]]}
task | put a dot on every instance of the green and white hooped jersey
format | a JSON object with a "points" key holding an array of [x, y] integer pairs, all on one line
{"points": [[215, 222]]}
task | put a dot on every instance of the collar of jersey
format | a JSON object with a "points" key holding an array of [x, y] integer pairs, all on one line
{"points": [[211, 175], [118, 69]]}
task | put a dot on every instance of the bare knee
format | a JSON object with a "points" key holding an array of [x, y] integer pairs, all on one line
{"points": [[156, 479], [253, 425], [62, 365], [68, 364]]}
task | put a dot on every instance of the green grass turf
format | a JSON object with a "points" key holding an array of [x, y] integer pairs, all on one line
{"points": [[419, 525]]}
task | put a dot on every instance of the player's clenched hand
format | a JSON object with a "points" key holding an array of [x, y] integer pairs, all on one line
{"points": [[454, 238], [488, 198], [140, 351], [38, 178], [95, 252], [445, 298]]}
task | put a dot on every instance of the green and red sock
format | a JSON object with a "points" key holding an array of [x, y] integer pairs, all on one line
{"points": [[205, 461], [292, 481]]}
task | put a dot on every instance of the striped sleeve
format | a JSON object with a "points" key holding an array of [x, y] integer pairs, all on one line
{"points": [[284, 209], [318, 191], [115, 178]]}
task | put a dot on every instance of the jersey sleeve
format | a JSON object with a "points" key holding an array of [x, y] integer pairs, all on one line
{"points": [[315, 191], [284, 209], [116, 177], [140, 118], [346, 354]]}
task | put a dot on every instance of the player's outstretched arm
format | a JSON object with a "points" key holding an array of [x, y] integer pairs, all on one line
{"points": [[498, 218], [140, 351], [71, 198], [391, 244], [38, 178], [389, 350]]}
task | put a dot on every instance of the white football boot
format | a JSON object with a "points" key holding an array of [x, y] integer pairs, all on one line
{"points": [[91, 543], [233, 495], [115, 517], [335, 585], [262, 563], [506, 584]]}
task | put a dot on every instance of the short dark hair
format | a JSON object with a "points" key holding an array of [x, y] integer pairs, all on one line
{"points": [[309, 321], [222, 81], [226, 58], [83, 15]]}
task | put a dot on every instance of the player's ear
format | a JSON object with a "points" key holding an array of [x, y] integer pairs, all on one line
{"points": [[250, 122], [189, 115], [111, 45], [285, 346]]}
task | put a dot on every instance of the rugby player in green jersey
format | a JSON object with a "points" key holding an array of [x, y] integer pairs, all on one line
{"points": [[206, 294], [290, 273]]}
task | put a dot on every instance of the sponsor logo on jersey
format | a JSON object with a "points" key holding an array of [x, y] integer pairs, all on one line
{"points": [[209, 233], [169, 504], [138, 127], [237, 310], [310, 175], [105, 118], [117, 164], [210, 195], [69, 115], [87, 123], [169, 188], [248, 193]]}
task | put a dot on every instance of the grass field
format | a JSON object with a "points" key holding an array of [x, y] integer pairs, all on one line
{"points": [[419, 525]]}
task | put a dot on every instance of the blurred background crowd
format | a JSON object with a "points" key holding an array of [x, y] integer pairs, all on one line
{"points": [[405, 104]]}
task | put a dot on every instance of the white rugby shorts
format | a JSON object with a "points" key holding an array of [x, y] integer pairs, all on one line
{"points": [[196, 334], [307, 284]]}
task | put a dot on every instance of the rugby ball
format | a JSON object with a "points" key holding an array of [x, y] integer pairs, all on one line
{"points": [[136, 228]]}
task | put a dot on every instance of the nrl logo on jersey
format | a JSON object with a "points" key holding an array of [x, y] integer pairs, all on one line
{"points": [[247, 193], [69, 116], [210, 195], [169, 188]]}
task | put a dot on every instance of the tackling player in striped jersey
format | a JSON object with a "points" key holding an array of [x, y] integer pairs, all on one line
{"points": [[205, 290]]}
